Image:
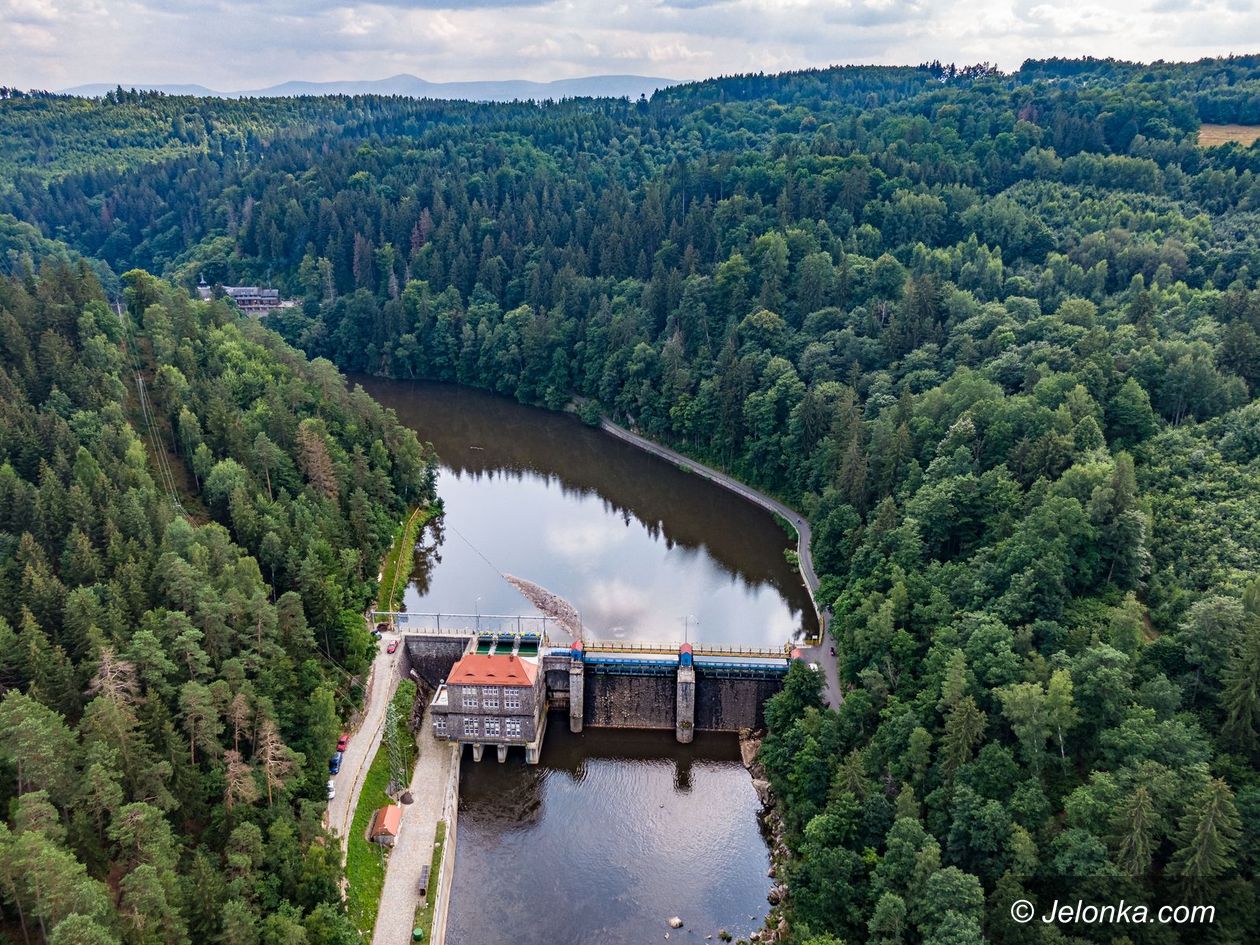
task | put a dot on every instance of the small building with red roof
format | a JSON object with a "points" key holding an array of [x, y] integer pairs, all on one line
{"points": [[385, 825]]}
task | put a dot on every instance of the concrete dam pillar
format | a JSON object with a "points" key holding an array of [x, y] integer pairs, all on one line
{"points": [[577, 687], [685, 719]]}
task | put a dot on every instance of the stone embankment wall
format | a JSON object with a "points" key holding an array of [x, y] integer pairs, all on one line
{"points": [[430, 658]]}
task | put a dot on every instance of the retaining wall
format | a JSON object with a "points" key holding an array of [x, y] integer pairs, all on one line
{"points": [[431, 657]]}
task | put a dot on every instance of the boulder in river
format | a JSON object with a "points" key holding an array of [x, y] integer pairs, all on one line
{"points": [[763, 791]]}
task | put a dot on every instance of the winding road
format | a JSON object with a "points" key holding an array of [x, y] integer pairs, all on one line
{"points": [[822, 652]]}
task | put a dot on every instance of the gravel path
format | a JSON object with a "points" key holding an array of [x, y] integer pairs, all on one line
{"points": [[820, 654], [414, 847]]}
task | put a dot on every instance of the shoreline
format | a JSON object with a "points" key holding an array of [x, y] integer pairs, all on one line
{"points": [[800, 524], [818, 652], [776, 925]]}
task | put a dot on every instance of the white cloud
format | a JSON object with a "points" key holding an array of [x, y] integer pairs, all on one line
{"points": [[233, 44], [583, 540]]}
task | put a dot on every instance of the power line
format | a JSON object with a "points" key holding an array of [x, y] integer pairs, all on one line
{"points": [[494, 567], [166, 476]]}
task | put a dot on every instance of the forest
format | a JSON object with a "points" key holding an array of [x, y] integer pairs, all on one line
{"points": [[997, 335], [181, 589]]}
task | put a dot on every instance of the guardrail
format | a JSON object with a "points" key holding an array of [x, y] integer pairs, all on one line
{"points": [[472, 624], [697, 649], [468, 624]]}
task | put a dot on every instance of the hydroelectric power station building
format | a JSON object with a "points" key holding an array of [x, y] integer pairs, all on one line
{"points": [[494, 695]]}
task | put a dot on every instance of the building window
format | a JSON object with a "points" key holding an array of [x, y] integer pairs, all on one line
{"points": [[439, 724], [492, 728], [470, 697], [470, 728], [513, 728], [512, 698], [490, 697]]}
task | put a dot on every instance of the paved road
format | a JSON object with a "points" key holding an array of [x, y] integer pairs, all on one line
{"points": [[820, 654], [382, 680], [414, 847]]}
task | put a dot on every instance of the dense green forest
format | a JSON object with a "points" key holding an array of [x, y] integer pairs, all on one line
{"points": [[181, 586], [998, 335]]}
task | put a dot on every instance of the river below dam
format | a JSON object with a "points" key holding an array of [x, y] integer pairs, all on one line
{"points": [[614, 831]]}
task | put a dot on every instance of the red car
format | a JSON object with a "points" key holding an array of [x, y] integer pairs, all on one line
{"points": [[392, 646], [343, 741]]}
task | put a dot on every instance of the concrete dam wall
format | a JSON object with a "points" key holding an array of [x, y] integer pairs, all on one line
{"points": [[616, 700], [630, 691], [729, 703], [713, 701]]}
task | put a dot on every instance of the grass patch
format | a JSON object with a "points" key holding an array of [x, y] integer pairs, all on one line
{"points": [[1212, 135], [424, 912], [365, 861], [396, 572]]}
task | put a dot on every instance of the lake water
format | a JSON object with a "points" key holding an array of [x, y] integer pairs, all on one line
{"points": [[614, 831]]}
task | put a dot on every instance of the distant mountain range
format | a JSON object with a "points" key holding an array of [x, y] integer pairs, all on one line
{"points": [[597, 86]]}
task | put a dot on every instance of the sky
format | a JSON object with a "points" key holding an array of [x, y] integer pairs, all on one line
{"points": [[240, 44]]}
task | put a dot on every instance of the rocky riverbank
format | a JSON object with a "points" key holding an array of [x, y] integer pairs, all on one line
{"points": [[776, 928]]}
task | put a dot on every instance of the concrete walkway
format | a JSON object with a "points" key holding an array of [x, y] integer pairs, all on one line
{"points": [[820, 654], [414, 847]]}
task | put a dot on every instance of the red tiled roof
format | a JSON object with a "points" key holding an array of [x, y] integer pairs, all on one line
{"points": [[483, 669], [387, 821]]}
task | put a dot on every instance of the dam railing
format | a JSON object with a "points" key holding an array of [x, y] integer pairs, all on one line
{"points": [[468, 624]]}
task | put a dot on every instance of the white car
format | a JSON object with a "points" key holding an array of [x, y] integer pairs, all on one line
{"points": [[815, 667], [332, 789]]}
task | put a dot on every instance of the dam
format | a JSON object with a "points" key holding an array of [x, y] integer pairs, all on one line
{"points": [[679, 687], [652, 557]]}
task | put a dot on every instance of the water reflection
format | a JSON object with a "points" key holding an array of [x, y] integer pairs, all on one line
{"points": [[604, 840], [637, 545], [614, 831]]}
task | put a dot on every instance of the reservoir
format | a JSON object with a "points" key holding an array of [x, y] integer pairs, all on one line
{"points": [[614, 831]]}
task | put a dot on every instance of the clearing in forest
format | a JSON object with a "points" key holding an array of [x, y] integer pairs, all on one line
{"points": [[1212, 135]]}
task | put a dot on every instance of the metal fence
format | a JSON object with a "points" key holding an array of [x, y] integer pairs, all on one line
{"points": [[551, 631], [470, 624], [698, 649]]}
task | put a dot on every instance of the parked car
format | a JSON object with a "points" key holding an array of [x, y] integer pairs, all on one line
{"points": [[334, 763], [332, 789], [392, 646], [343, 741], [815, 667]]}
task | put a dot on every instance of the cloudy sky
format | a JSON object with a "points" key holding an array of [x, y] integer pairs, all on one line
{"points": [[235, 44]]}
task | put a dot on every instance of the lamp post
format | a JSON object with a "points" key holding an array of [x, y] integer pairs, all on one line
{"points": [[687, 626]]}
